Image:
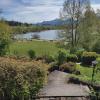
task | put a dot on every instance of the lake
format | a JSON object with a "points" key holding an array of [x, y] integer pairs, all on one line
{"points": [[45, 35]]}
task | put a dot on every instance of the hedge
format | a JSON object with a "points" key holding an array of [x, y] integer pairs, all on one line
{"points": [[88, 57]]}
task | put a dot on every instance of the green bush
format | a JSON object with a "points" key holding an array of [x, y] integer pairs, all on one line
{"points": [[47, 58], [5, 37], [61, 58], [20, 80], [69, 67], [88, 57], [96, 47], [73, 50], [31, 54], [72, 58], [79, 54]]}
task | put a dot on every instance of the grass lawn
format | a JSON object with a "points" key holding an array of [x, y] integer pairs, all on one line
{"points": [[40, 47], [86, 74]]}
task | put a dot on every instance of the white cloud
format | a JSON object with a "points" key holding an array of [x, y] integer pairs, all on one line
{"points": [[33, 10], [45, 10], [96, 6], [36, 14]]}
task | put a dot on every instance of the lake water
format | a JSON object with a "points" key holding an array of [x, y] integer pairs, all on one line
{"points": [[45, 35]]}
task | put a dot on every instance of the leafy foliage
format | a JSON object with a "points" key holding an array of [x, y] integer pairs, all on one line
{"points": [[61, 58], [72, 58], [48, 58], [31, 54], [96, 47], [69, 67], [88, 57], [20, 80], [88, 29], [79, 54], [5, 37]]}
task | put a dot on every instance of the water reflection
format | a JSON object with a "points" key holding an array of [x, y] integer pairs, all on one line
{"points": [[45, 35]]}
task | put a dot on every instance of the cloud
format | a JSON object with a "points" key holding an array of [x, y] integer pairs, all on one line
{"points": [[34, 14], [33, 11], [96, 6]]}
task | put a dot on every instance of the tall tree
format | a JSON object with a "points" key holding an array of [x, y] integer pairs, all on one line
{"points": [[73, 10], [88, 29]]}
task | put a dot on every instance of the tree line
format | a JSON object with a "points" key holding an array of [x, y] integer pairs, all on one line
{"points": [[83, 31]]}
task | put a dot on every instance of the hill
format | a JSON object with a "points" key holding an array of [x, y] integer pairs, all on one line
{"points": [[55, 22]]}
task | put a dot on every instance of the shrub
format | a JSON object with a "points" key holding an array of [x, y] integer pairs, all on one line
{"points": [[50, 59], [46, 58], [88, 57], [53, 67], [20, 79], [79, 54], [69, 67], [31, 54], [61, 58], [73, 50], [5, 37], [72, 58], [96, 47]]}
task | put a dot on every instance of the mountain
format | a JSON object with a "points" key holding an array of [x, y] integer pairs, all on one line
{"points": [[56, 22]]}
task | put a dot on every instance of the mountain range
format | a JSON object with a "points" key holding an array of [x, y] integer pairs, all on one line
{"points": [[55, 22]]}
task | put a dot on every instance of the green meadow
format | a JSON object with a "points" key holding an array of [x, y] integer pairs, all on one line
{"points": [[40, 47]]}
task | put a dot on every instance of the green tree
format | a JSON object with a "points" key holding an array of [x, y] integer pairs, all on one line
{"points": [[73, 11], [5, 37], [96, 46], [88, 29]]}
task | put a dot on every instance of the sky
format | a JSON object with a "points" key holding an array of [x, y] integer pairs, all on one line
{"points": [[33, 11]]}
